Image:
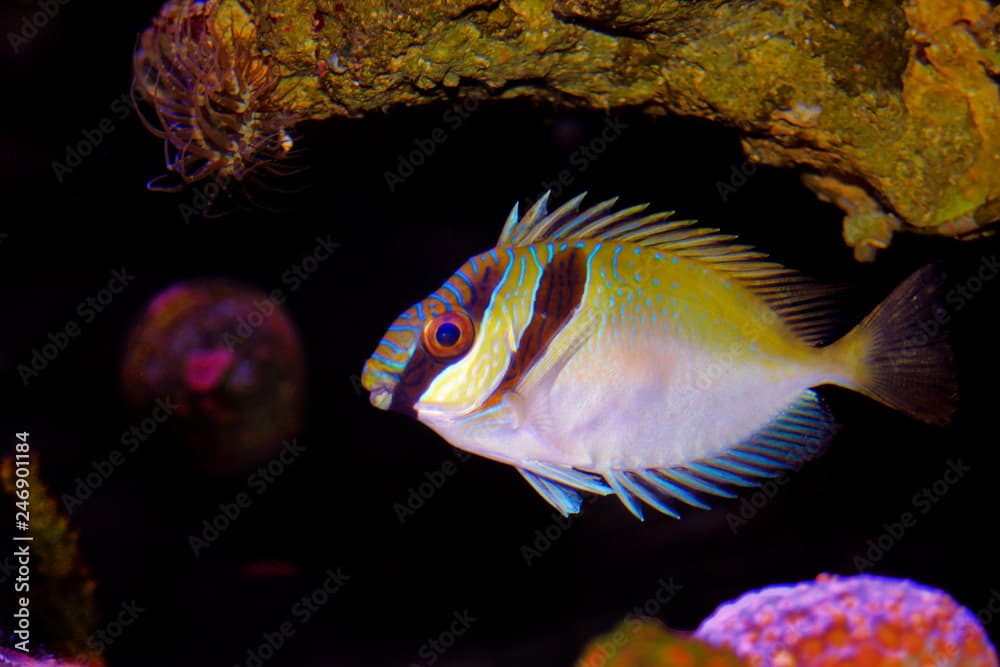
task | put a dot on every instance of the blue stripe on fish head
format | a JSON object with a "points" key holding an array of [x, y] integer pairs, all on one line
{"points": [[402, 367]]}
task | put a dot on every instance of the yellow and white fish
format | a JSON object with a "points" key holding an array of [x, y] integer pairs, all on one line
{"points": [[619, 352]]}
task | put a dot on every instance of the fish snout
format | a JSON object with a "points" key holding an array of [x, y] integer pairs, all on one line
{"points": [[380, 385], [381, 397]]}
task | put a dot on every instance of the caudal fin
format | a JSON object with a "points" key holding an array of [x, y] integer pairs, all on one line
{"points": [[900, 352]]}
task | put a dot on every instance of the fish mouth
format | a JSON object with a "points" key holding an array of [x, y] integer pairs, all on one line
{"points": [[380, 385], [443, 412], [381, 397]]}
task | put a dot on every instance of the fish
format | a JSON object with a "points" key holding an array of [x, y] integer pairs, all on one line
{"points": [[621, 352]]}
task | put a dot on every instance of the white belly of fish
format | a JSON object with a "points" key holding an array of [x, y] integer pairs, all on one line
{"points": [[657, 402]]}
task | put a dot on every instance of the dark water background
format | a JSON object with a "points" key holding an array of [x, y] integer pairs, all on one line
{"points": [[334, 507]]}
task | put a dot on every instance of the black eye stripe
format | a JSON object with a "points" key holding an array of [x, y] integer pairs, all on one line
{"points": [[482, 273]]}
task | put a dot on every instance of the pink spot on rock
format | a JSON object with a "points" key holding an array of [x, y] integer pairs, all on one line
{"points": [[204, 368]]}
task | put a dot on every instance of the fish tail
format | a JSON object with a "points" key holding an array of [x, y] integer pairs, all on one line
{"points": [[899, 354]]}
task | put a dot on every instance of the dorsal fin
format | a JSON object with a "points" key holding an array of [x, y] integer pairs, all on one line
{"points": [[804, 305]]}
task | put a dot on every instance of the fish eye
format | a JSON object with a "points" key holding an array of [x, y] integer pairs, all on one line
{"points": [[448, 335]]}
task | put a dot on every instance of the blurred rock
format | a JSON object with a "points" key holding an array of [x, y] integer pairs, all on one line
{"points": [[221, 365]]}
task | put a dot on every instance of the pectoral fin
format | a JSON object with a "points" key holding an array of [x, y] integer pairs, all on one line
{"points": [[560, 485], [560, 496]]}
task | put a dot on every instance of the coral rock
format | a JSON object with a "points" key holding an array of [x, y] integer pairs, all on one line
{"points": [[861, 621]]}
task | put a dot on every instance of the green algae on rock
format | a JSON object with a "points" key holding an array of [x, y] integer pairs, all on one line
{"points": [[63, 606], [890, 108]]}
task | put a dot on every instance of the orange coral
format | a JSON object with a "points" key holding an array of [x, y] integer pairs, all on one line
{"points": [[646, 643]]}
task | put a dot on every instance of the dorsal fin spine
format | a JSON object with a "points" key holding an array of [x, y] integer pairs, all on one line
{"points": [[797, 300]]}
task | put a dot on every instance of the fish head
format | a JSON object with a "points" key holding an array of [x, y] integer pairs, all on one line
{"points": [[386, 369], [442, 358]]}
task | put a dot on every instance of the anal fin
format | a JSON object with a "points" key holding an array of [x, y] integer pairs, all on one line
{"points": [[798, 434]]}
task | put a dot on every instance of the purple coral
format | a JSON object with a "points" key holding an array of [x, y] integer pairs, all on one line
{"points": [[862, 621]]}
